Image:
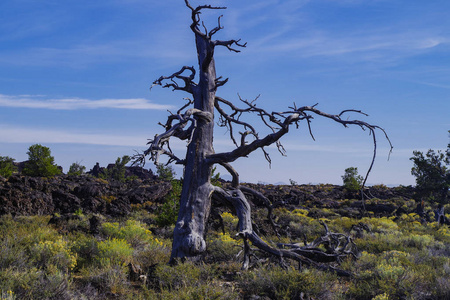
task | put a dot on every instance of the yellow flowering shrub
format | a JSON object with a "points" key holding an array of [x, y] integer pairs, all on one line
{"points": [[230, 222], [300, 212], [382, 225], [132, 231], [390, 272], [8, 295], [383, 296], [444, 232], [56, 253]]}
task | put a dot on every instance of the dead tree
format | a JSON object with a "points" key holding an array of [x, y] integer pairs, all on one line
{"points": [[194, 123]]}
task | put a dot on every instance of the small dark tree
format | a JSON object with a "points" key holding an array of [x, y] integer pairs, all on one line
{"points": [[165, 172], [40, 162], [352, 181], [167, 214], [432, 172], [7, 167], [118, 170], [194, 123], [76, 169]]}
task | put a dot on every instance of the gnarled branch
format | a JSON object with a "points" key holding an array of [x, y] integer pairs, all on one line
{"points": [[174, 84], [195, 27], [282, 122], [160, 143], [313, 256]]}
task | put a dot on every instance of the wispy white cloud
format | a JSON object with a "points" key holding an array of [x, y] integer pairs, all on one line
{"points": [[13, 134], [30, 135], [83, 56], [323, 44], [27, 101], [443, 86]]}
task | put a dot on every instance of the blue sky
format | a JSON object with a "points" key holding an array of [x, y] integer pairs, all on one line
{"points": [[75, 76]]}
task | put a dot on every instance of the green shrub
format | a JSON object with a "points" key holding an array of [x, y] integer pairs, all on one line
{"points": [[132, 231], [183, 276], [85, 246], [432, 172], [7, 167], [277, 283], [222, 247], [168, 212], [202, 291], [151, 254], [299, 223], [381, 225], [109, 279], [117, 172], [40, 162], [165, 172], [76, 169], [230, 222], [34, 259], [215, 178], [390, 273], [33, 283], [176, 277], [114, 252]]}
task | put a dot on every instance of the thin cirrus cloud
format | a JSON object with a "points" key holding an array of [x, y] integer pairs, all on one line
{"points": [[322, 45], [28, 135], [26, 101], [13, 134]]}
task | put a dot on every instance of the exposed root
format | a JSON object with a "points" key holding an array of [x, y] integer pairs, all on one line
{"points": [[330, 248]]}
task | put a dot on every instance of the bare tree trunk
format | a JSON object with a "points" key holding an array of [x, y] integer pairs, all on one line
{"points": [[195, 203]]}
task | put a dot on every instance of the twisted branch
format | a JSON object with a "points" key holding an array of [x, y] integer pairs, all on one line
{"points": [[279, 123], [313, 257], [195, 27], [160, 143], [188, 80]]}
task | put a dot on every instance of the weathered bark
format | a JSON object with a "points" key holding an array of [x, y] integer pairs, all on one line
{"points": [[195, 202]]}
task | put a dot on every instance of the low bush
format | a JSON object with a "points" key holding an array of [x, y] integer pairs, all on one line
{"points": [[76, 169], [133, 232], [274, 282], [168, 212], [7, 167], [114, 252], [118, 170], [222, 247], [55, 254], [110, 279], [397, 258]]}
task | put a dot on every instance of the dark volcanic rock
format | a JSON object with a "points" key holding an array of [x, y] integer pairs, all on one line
{"points": [[17, 197], [24, 195], [333, 197], [65, 202], [149, 192]]}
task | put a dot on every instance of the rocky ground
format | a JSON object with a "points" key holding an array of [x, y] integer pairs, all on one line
{"points": [[24, 195]]}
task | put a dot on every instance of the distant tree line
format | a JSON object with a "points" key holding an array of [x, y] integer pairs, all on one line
{"points": [[431, 169], [41, 163]]}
